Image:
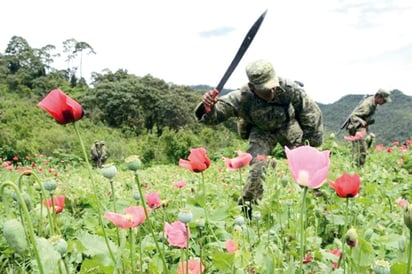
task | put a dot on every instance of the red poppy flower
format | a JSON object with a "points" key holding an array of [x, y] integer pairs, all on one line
{"points": [[308, 258], [58, 203], [63, 108], [177, 234], [346, 186], [194, 266], [242, 160], [134, 217], [197, 160], [308, 166]]}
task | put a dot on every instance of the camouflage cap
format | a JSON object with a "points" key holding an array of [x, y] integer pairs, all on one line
{"points": [[262, 75], [385, 94]]}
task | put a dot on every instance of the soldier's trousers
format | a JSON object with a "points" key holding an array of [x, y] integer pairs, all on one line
{"points": [[359, 152], [262, 143]]}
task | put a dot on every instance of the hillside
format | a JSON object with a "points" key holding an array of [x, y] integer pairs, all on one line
{"points": [[393, 121]]}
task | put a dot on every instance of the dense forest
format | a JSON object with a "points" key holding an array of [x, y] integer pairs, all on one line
{"points": [[142, 114]]}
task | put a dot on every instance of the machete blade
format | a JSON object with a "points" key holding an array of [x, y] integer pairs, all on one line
{"points": [[243, 47]]}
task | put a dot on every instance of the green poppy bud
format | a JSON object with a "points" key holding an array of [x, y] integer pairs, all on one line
{"points": [[352, 237], [133, 162], [200, 223], [185, 215], [407, 216], [401, 244], [61, 246], [50, 185], [240, 220], [13, 232], [109, 171]]}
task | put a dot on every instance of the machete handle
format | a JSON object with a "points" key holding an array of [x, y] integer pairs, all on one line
{"points": [[214, 94]]}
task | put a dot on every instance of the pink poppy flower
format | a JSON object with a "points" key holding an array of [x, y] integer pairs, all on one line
{"points": [[179, 184], [177, 234], [153, 200], [194, 266], [134, 217], [359, 135], [402, 203], [58, 203], [337, 253], [308, 166], [379, 147], [63, 108], [346, 186], [231, 246], [242, 160], [197, 160]]}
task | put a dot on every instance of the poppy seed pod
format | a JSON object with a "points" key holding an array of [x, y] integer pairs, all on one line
{"points": [[109, 171], [381, 267], [133, 162], [185, 215], [50, 185], [407, 216]]}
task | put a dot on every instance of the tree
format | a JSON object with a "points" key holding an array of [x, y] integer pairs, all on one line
{"points": [[80, 47]]}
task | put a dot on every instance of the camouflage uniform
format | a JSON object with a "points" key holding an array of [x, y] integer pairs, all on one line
{"points": [[363, 112], [290, 119], [98, 153]]}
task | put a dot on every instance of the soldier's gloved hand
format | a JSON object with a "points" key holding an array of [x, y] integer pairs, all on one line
{"points": [[209, 99]]}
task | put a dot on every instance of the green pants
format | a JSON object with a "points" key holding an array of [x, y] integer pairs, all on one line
{"points": [[359, 152], [262, 143]]}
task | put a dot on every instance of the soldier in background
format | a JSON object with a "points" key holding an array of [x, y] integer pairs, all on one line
{"points": [[270, 111], [98, 153], [360, 119]]}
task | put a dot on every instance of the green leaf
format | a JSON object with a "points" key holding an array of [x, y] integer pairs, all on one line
{"points": [[363, 254], [223, 261], [48, 255], [96, 247]]}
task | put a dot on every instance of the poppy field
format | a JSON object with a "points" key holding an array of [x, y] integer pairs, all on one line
{"points": [[319, 213]]}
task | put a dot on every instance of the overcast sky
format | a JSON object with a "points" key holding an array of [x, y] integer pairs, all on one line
{"points": [[335, 47]]}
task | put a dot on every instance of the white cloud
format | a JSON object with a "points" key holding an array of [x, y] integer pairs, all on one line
{"points": [[334, 47]]}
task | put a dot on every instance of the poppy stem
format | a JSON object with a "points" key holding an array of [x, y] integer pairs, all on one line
{"points": [[409, 252], [28, 221], [113, 198], [95, 188], [131, 248], [302, 229], [136, 178], [204, 199]]}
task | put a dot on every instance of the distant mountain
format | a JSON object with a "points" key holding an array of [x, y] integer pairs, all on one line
{"points": [[393, 121]]}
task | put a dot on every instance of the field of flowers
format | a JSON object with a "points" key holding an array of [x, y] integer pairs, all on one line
{"points": [[319, 214]]}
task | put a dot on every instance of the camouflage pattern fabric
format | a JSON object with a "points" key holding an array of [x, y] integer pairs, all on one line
{"points": [[291, 119], [363, 112]]}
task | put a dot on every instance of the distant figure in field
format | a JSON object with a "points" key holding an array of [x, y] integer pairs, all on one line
{"points": [[98, 154], [360, 120]]}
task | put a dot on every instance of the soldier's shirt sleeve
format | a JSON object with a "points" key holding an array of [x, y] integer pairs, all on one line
{"points": [[309, 117], [362, 111], [227, 106]]}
